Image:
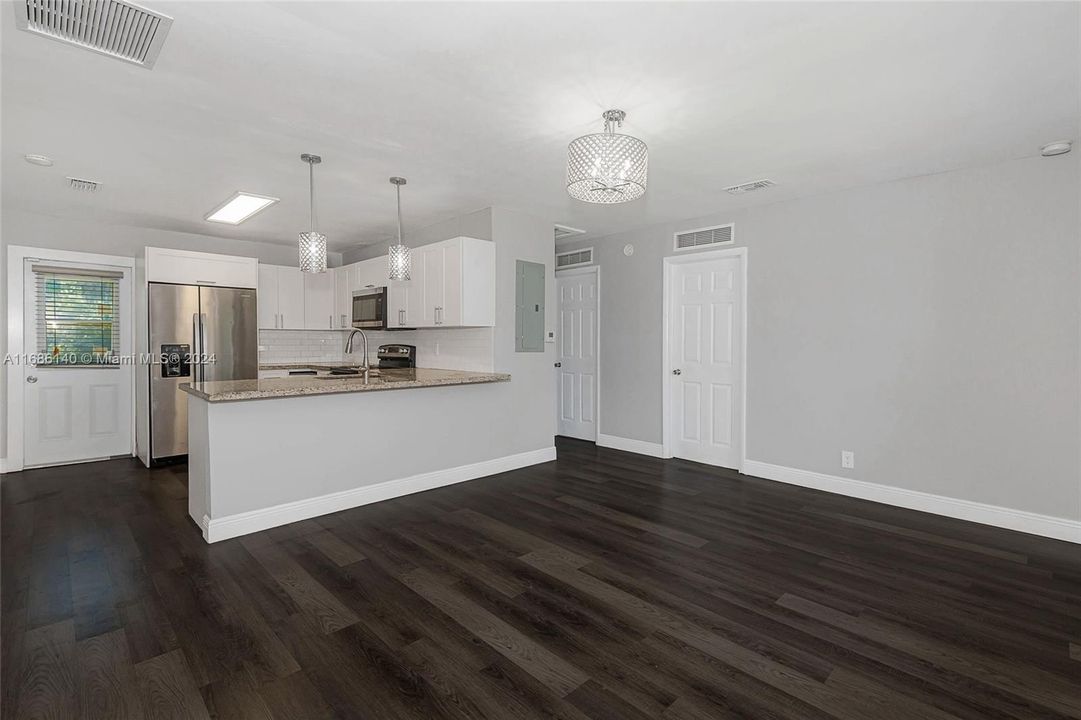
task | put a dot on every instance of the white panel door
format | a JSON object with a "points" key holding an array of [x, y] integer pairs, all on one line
{"points": [[72, 413], [578, 302], [705, 351]]}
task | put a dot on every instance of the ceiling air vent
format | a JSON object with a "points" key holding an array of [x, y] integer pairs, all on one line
{"points": [[565, 231], [749, 187], [574, 258], [83, 185], [719, 235], [122, 30]]}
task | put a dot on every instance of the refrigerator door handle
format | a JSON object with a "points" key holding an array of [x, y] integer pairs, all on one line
{"points": [[195, 347], [202, 346]]}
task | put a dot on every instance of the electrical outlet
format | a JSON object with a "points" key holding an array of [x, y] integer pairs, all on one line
{"points": [[848, 459]]}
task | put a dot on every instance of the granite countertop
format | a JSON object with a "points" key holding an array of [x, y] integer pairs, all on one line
{"points": [[396, 379]]}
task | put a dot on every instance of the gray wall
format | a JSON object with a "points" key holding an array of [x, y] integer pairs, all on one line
{"points": [[931, 325], [18, 227]]}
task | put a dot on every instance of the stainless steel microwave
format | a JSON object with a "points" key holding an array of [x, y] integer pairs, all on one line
{"points": [[370, 308]]}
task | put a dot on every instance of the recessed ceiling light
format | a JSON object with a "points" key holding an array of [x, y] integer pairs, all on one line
{"points": [[41, 160], [1056, 148], [239, 208]]}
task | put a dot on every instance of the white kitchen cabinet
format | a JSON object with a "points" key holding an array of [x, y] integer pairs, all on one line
{"points": [[319, 301], [373, 272], [405, 302], [456, 281], [345, 282], [291, 298], [186, 267], [281, 298], [267, 299], [433, 282]]}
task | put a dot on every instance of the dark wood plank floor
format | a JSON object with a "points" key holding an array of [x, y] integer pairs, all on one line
{"points": [[601, 585]]}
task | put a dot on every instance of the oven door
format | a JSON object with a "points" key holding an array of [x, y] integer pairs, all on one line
{"points": [[370, 308]]}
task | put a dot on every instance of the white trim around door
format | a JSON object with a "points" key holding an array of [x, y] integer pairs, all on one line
{"points": [[16, 346], [585, 270], [669, 266]]}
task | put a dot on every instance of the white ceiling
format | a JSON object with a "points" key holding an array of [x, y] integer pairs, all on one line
{"points": [[475, 103]]}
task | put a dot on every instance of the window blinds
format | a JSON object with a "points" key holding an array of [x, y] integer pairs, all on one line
{"points": [[78, 315]]}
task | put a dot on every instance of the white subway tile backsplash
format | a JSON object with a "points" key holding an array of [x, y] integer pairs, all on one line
{"points": [[446, 348]]}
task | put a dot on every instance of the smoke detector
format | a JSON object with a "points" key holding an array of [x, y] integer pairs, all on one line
{"points": [[83, 185], [747, 187], [117, 28]]}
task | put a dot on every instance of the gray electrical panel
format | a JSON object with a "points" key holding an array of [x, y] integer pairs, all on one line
{"points": [[529, 307]]}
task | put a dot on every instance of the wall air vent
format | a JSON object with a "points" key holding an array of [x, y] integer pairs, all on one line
{"points": [[565, 231], [117, 28], [719, 235], [749, 187], [83, 185], [575, 258]]}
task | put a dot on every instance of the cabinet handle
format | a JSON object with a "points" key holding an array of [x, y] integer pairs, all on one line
{"points": [[330, 321], [401, 317]]}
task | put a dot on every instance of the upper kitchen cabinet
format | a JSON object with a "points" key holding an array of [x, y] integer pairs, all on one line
{"points": [[345, 281], [459, 283], [372, 272], [185, 267], [319, 305], [281, 298], [405, 300], [452, 285]]}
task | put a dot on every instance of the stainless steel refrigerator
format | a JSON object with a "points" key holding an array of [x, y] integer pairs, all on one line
{"points": [[188, 322]]}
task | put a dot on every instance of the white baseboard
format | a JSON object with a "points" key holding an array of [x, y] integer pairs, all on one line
{"points": [[1021, 520], [230, 526], [635, 446]]}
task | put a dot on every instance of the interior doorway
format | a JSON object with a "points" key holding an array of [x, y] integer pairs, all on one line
{"points": [[704, 382], [578, 292]]}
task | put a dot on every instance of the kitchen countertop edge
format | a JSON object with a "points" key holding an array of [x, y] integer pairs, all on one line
{"points": [[271, 388]]}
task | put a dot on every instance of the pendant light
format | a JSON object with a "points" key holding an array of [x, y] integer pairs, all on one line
{"points": [[313, 244], [398, 257], [607, 167]]}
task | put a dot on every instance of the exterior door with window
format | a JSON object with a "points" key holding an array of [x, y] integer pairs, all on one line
{"points": [[705, 351], [578, 303], [77, 401]]}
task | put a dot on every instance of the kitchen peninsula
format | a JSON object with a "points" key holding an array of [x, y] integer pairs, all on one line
{"points": [[263, 453]]}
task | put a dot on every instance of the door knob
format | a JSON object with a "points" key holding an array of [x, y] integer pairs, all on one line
{"points": [[559, 364], [677, 371], [31, 379]]}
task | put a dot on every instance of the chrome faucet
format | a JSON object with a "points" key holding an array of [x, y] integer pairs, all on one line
{"points": [[349, 349]]}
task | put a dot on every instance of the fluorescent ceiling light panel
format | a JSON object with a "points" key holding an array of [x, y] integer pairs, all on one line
{"points": [[239, 208]]}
